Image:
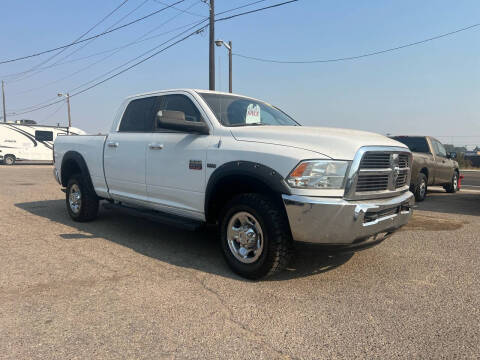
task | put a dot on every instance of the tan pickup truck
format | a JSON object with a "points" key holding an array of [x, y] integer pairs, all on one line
{"points": [[432, 165]]}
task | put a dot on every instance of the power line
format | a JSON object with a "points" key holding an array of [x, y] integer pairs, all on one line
{"points": [[143, 60], [358, 56], [256, 10], [183, 11], [109, 50], [39, 70], [164, 33], [197, 31], [91, 37], [49, 116], [80, 37], [152, 37], [113, 53], [240, 7]]}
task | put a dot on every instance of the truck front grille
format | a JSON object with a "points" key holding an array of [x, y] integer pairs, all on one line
{"points": [[381, 172]]}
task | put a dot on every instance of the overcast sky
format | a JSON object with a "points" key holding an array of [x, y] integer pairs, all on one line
{"points": [[433, 88]]}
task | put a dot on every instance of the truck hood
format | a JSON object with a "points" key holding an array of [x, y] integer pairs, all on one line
{"points": [[336, 143]]}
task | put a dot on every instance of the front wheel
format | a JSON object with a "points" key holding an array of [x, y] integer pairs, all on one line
{"points": [[82, 202], [453, 186], [255, 236], [9, 159], [420, 190]]}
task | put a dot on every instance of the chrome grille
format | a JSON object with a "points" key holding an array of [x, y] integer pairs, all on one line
{"points": [[379, 172]]}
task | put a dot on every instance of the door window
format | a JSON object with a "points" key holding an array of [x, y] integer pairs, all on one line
{"points": [[178, 102], [138, 116], [439, 149]]}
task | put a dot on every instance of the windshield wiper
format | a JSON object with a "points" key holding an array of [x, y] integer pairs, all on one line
{"points": [[251, 124]]}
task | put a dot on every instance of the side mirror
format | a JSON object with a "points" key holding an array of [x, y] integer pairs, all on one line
{"points": [[175, 120], [452, 155]]}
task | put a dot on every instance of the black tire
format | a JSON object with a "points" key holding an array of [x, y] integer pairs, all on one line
{"points": [[453, 186], [87, 209], [420, 190], [9, 159], [277, 239]]}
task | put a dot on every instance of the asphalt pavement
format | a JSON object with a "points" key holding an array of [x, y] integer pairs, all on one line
{"points": [[124, 287], [471, 179]]}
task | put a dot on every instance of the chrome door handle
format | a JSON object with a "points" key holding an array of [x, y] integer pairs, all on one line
{"points": [[155, 146], [113, 144]]}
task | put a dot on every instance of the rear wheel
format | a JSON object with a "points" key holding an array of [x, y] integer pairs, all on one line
{"points": [[255, 236], [453, 186], [9, 159], [82, 202], [420, 190]]}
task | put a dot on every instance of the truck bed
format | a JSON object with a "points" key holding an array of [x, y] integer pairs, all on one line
{"points": [[91, 148]]}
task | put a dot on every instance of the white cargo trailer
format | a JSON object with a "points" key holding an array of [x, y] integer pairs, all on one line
{"points": [[30, 142]]}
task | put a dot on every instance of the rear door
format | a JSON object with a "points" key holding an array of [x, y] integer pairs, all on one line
{"points": [[125, 151], [444, 171], [176, 161]]}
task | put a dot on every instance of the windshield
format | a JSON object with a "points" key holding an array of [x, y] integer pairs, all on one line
{"points": [[414, 143], [233, 110]]}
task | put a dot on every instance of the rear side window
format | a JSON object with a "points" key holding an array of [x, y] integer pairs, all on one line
{"points": [[415, 143], [43, 135], [138, 116]]}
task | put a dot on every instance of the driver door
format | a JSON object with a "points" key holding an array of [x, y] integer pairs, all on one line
{"points": [[444, 169], [176, 162]]}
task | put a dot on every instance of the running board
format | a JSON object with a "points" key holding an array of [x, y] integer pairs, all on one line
{"points": [[157, 216]]}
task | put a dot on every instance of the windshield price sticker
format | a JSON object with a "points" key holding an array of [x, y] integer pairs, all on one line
{"points": [[253, 114]]}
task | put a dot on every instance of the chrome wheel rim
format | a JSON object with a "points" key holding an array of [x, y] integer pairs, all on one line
{"points": [[423, 188], [8, 160], [455, 182], [75, 198], [245, 237]]}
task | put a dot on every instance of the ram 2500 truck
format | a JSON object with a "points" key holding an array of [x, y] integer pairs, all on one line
{"points": [[432, 165], [244, 165]]}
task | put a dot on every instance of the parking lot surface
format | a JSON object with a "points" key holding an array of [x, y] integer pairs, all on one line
{"points": [[471, 179], [124, 287]]}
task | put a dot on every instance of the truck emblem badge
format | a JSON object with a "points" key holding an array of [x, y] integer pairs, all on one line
{"points": [[395, 167], [195, 165]]}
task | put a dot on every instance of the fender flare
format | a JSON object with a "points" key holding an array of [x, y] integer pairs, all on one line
{"points": [[80, 161], [257, 171]]}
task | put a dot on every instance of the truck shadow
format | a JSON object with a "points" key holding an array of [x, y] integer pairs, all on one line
{"points": [[461, 203], [197, 250]]}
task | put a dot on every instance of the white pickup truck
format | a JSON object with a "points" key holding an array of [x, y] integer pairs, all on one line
{"points": [[209, 157]]}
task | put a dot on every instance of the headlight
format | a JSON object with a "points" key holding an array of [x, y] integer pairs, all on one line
{"points": [[318, 174]]}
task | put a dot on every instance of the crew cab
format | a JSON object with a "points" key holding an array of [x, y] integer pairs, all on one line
{"points": [[432, 165], [244, 165]]}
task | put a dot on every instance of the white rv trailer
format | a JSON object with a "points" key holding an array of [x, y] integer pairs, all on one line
{"points": [[30, 142]]}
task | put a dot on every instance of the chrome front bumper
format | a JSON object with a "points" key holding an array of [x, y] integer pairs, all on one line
{"points": [[333, 221]]}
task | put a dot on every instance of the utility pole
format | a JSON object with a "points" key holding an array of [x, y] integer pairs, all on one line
{"points": [[230, 67], [229, 48], [211, 59], [3, 97], [67, 97], [68, 109]]}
